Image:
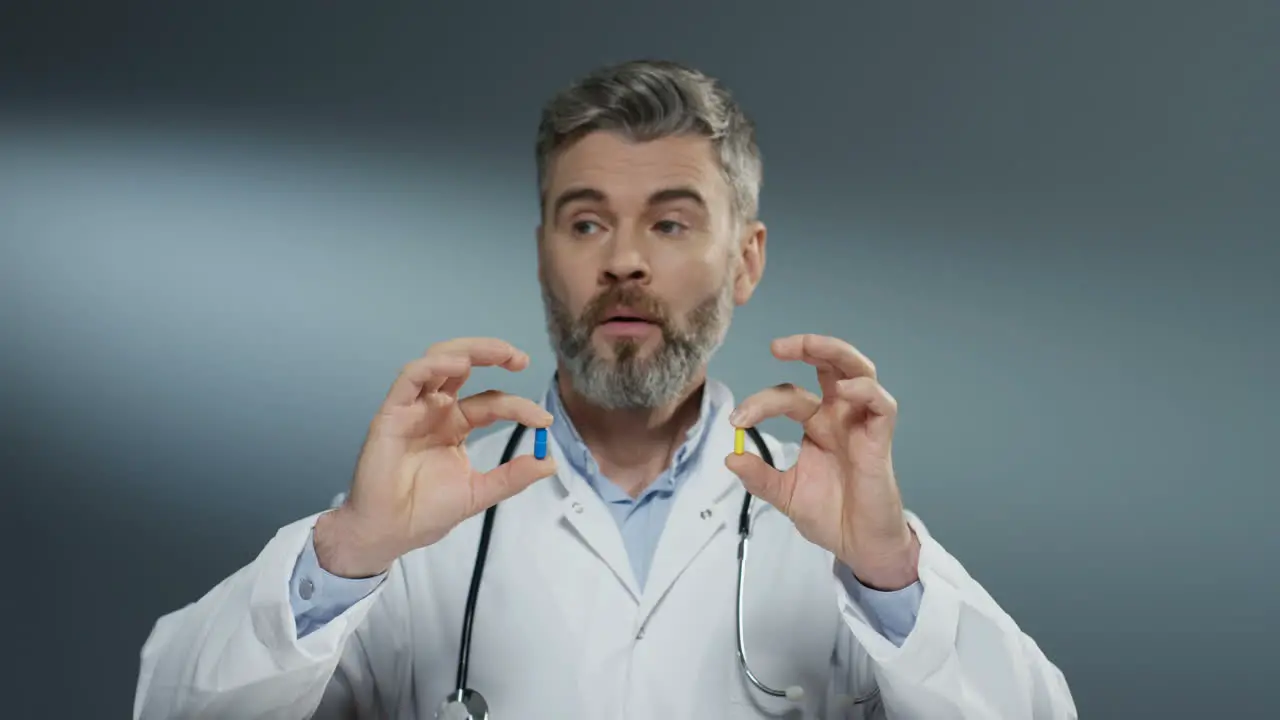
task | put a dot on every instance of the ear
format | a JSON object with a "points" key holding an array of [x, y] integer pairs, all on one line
{"points": [[751, 264]]}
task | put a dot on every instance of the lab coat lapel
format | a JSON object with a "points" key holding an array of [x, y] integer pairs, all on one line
{"points": [[585, 513], [699, 512]]}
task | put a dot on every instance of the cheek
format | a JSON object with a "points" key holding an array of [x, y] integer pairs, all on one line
{"points": [[697, 261], [691, 277], [571, 282]]}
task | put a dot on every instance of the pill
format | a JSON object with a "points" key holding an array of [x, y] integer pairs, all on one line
{"points": [[739, 440], [540, 443]]}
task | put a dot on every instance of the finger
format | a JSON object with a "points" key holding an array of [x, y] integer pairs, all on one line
{"points": [[491, 406], [786, 399], [454, 383], [510, 478], [866, 393], [760, 479], [823, 351], [426, 374], [481, 352]]}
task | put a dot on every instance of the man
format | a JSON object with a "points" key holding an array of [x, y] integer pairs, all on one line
{"points": [[609, 574]]}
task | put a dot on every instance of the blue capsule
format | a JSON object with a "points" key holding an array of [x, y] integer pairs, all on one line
{"points": [[540, 443]]}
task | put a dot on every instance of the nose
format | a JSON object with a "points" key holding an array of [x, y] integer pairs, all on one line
{"points": [[625, 260]]}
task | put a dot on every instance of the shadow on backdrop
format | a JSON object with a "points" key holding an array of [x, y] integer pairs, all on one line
{"points": [[223, 231]]}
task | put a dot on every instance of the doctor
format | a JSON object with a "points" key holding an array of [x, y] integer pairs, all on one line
{"points": [[608, 581]]}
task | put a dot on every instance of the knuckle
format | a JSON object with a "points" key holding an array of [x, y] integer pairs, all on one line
{"points": [[414, 367], [443, 356], [439, 347], [454, 346]]}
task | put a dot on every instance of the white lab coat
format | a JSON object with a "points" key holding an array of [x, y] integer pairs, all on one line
{"points": [[561, 632]]}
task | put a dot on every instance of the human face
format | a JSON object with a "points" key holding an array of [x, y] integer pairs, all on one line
{"points": [[641, 262]]}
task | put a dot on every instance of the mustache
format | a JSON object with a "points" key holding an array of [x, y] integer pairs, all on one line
{"points": [[633, 297]]}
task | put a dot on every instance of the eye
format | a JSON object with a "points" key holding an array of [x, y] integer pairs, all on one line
{"points": [[584, 227], [668, 227]]}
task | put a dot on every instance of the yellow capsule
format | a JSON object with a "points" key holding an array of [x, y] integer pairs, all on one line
{"points": [[739, 440]]}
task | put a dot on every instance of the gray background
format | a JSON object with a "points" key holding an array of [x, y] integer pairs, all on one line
{"points": [[223, 228]]}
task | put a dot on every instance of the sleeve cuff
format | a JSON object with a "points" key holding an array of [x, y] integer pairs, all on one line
{"points": [[317, 596], [932, 639], [893, 612]]}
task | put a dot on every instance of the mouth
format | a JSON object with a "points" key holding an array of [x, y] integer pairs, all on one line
{"points": [[627, 316], [624, 322]]}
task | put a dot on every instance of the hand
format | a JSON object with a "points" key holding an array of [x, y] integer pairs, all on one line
{"points": [[841, 492], [413, 482]]}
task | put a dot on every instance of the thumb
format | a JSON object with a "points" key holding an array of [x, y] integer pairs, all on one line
{"points": [[757, 477], [510, 478]]}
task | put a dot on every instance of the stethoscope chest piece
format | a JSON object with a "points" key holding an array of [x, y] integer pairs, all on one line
{"points": [[467, 705]]}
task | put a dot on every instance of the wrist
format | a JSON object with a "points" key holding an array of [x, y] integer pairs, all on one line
{"points": [[890, 570], [344, 550]]}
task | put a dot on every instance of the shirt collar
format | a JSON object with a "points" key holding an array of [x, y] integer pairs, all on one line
{"points": [[579, 456]]}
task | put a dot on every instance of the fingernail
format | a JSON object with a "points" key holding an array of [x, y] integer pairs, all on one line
{"points": [[736, 416]]}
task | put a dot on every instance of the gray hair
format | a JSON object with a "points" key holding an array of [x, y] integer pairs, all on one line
{"points": [[651, 99]]}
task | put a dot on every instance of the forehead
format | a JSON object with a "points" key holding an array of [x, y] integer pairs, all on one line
{"points": [[627, 172]]}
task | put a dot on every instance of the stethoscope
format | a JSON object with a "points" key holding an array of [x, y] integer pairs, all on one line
{"points": [[467, 704]]}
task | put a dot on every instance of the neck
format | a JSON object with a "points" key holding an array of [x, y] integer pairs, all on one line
{"points": [[633, 447]]}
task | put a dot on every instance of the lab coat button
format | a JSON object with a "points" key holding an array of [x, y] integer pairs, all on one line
{"points": [[306, 588], [577, 507], [706, 514]]}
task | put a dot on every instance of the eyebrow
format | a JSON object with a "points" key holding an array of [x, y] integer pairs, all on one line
{"points": [[570, 196], [678, 193], [657, 198]]}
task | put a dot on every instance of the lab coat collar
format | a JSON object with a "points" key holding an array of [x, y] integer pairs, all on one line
{"points": [[713, 421], [700, 510], [565, 434]]}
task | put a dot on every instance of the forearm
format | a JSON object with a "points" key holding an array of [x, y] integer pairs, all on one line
{"points": [[964, 657], [235, 652], [316, 595]]}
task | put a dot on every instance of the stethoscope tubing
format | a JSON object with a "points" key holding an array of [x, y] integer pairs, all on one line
{"points": [[482, 553]]}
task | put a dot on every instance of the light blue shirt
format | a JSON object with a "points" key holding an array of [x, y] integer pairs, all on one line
{"points": [[640, 519], [318, 596]]}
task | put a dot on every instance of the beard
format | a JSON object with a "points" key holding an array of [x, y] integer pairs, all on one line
{"points": [[627, 381]]}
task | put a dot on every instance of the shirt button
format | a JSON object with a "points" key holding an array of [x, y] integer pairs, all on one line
{"points": [[306, 588]]}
